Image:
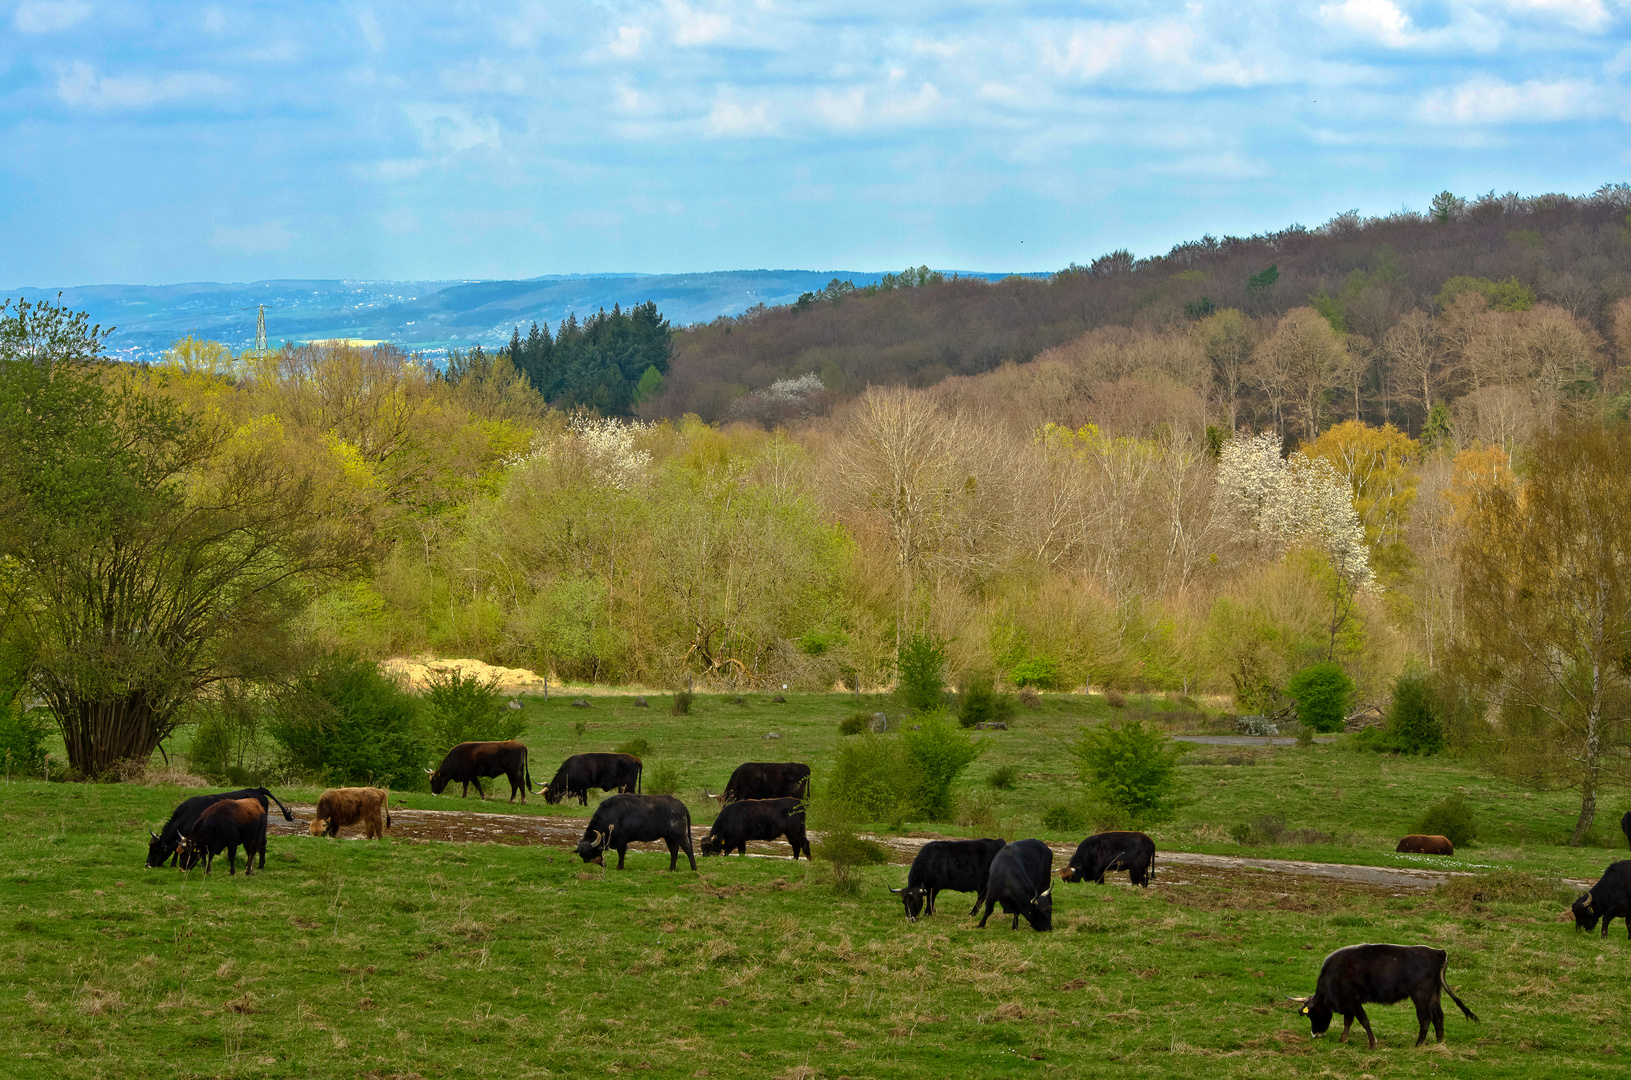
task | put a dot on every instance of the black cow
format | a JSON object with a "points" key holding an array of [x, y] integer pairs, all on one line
{"points": [[223, 826], [1103, 852], [1360, 975], [162, 847], [757, 819], [580, 772], [1625, 826], [958, 865], [468, 762], [1607, 900], [1018, 880], [621, 820], [768, 780]]}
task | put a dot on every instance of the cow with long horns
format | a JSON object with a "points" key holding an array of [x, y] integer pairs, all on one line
{"points": [[582, 772], [1018, 880], [162, 847], [621, 820], [1607, 900], [1361, 975], [469, 762]]}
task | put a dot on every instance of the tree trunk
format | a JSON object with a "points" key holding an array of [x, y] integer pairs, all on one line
{"points": [[100, 734]]}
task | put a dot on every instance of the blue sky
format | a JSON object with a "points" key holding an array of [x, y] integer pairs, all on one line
{"points": [[164, 142]]}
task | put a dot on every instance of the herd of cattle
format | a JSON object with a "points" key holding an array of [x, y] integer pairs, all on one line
{"points": [[764, 801]]}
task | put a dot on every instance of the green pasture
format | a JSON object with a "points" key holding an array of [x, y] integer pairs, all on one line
{"points": [[393, 959]]}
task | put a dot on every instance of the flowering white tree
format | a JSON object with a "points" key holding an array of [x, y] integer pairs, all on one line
{"points": [[1299, 500], [605, 446]]}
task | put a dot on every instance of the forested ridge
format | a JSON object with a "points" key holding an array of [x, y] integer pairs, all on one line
{"points": [[1380, 450]]}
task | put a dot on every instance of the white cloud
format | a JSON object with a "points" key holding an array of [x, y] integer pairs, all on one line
{"points": [[368, 24], [254, 239], [692, 27], [1580, 14], [1166, 54], [451, 128], [47, 16], [1485, 100], [731, 117], [626, 45], [483, 76], [215, 20], [78, 85], [1379, 19]]}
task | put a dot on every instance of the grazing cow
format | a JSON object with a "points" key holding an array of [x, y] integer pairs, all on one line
{"points": [[580, 772], [621, 820], [222, 827], [1106, 851], [1607, 900], [468, 762], [1418, 844], [162, 847], [958, 865], [1360, 975], [757, 819], [768, 780], [1018, 880], [339, 807]]}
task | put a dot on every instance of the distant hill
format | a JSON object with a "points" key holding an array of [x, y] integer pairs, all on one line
{"points": [[421, 315]]}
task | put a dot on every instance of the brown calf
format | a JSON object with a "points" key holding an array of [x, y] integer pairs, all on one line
{"points": [[339, 807], [224, 826], [1426, 845]]}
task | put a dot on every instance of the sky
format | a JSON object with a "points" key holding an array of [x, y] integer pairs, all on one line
{"points": [[150, 143]]}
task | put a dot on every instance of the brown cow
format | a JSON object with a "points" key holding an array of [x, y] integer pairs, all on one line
{"points": [[223, 826], [339, 807], [1417, 844]]}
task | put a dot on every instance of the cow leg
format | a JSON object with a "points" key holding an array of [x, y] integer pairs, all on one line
{"points": [[622, 851], [481, 793], [1015, 925], [979, 898], [990, 906], [1359, 1010], [928, 901], [673, 855], [464, 793], [1347, 1023], [1438, 1018]]}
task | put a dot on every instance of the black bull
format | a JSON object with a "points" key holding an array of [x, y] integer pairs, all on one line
{"points": [[468, 762], [959, 865], [1359, 975], [162, 847], [581, 772], [1101, 853], [768, 780], [621, 820], [757, 819]]}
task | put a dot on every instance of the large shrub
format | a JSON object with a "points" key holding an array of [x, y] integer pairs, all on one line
{"points": [[1450, 817], [939, 753], [347, 723], [22, 731], [1322, 693], [920, 668], [1043, 672], [873, 778], [463, 708], [1414, 723], [979, 701], [1131, 770]]}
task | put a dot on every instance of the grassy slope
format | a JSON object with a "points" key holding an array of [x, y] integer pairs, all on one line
{"points": [[357, 959]]}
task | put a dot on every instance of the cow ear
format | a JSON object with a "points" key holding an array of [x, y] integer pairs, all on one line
{"points": [[1303, 1011]]}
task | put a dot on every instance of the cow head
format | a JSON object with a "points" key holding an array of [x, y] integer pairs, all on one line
{"points": [[592, 848], [438, 782], [188, 854], [1070, 873], [713, 844], [157, 851], [554, 791], [1318, 1011], [319, 826], [1585, 914], [913, 898], [1039, 912]]}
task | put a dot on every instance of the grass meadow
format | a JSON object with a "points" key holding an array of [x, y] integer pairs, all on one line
{"points": [[401, 959]]}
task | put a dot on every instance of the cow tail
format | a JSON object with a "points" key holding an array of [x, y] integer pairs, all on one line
{"points": [[639, 775], [526, 768], [1459, 1003], [286, 815]]}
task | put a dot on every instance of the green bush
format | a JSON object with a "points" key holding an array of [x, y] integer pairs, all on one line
{"points": [[921, 669], [23, 733], [1131, 770], [1003, 777], [854, 725], [1413, 722], [843, 846], [1042, 672], [873, 778], [663, 779], [1063, 817], [682, 704], [979, 701], [940, 753], [212, 747], [636, 747], [347, 723], [1322, 693], [1450, 817], [462, 708]]}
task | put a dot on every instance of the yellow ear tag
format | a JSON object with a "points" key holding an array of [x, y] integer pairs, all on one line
{"points": [[1304, 1010]]}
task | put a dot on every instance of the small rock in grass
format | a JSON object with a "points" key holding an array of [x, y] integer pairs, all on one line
{"points": [[579, 703], [640, 703], [771, 735]]}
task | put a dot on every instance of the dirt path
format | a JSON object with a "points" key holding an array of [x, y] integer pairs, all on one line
{"points": [[459, 826]]}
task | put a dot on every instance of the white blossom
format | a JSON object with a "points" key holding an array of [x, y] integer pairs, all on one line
{"points": [[605, 444], [1295, 500]]}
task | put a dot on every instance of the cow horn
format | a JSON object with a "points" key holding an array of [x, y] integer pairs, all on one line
{"points": [[1046, 891], [428, 772], [153, 834], [1298, 1000], [897, 892], [598, 836]]}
